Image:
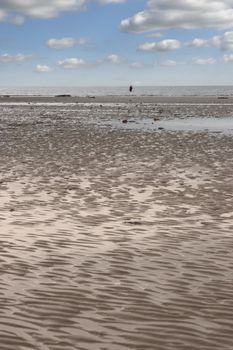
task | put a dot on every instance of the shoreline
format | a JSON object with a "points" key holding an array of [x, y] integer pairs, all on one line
{"points": [[117, 99]]}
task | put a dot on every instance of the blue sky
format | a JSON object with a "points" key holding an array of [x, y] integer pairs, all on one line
{"points": [[116, 42]]}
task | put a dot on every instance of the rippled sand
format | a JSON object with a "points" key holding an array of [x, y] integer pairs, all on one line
{"points": [[114, 238]]}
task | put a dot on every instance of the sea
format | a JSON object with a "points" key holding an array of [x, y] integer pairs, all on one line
{"points": [[117, 90]]}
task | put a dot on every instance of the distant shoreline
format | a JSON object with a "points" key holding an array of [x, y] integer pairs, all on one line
{"points": [[12, 99], [117, 91]]}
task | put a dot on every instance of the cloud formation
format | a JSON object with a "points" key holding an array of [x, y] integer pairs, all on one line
{"points": [[72, 63], [228, 58], [168, 63], [15, 58], [115, 59], [65, 43], [42, 68], [224, 42], [112, 58], [203, 61], [164, 45], [181, 14], [42, 8]]}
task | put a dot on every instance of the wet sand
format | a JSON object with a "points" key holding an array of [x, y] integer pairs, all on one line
{"points": [[115, 237], [128, 98]]}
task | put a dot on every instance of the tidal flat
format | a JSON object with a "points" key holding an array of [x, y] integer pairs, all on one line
{"points": [[115, 235]]}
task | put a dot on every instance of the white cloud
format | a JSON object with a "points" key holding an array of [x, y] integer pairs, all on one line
{"points": [[41, 8], [15, 58], [227, 41], [228, 58], [198, 42], [65, 43], [44, 8], [181, 14], [203, 61], [164, 45], [224, 42], [168, 63], [114, 59], [42, 68], [216, 41], [72, 63]]}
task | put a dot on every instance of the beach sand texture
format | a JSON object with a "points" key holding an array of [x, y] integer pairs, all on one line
{"points": [[115, 237]]}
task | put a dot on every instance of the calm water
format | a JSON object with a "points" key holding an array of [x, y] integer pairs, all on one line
{"points": [[140, 90], [221, 125]]}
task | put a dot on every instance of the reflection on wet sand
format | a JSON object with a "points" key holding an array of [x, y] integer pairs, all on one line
{"points": [[111, 238], [221, 125]]}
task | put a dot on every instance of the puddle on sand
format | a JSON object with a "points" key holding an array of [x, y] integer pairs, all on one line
{"points": [[223, 125]]}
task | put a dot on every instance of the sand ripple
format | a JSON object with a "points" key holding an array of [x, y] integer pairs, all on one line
{"points": [[113, 239]]}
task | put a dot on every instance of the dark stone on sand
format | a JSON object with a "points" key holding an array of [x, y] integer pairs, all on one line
{"points": [[65, 95], [72, 188], [133, 222], [160, 128], [156, 119], [125, 121]]}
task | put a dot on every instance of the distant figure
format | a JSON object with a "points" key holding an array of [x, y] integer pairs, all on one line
{"points": [[130, 88]]}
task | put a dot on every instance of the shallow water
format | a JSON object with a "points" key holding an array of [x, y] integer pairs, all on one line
{"points": [[199, 124], [113, 239], [117, 90], [223, 125]]}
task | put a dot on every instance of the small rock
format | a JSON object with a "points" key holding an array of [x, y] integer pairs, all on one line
{"points": [[72, 188], [64, 95], [133, 222], [124, 121]]}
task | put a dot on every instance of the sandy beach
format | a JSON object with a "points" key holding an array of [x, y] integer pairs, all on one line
{"points": [[116, 226]]}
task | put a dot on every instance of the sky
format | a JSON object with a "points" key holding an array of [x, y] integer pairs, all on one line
{"points": [[116, 42]]}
